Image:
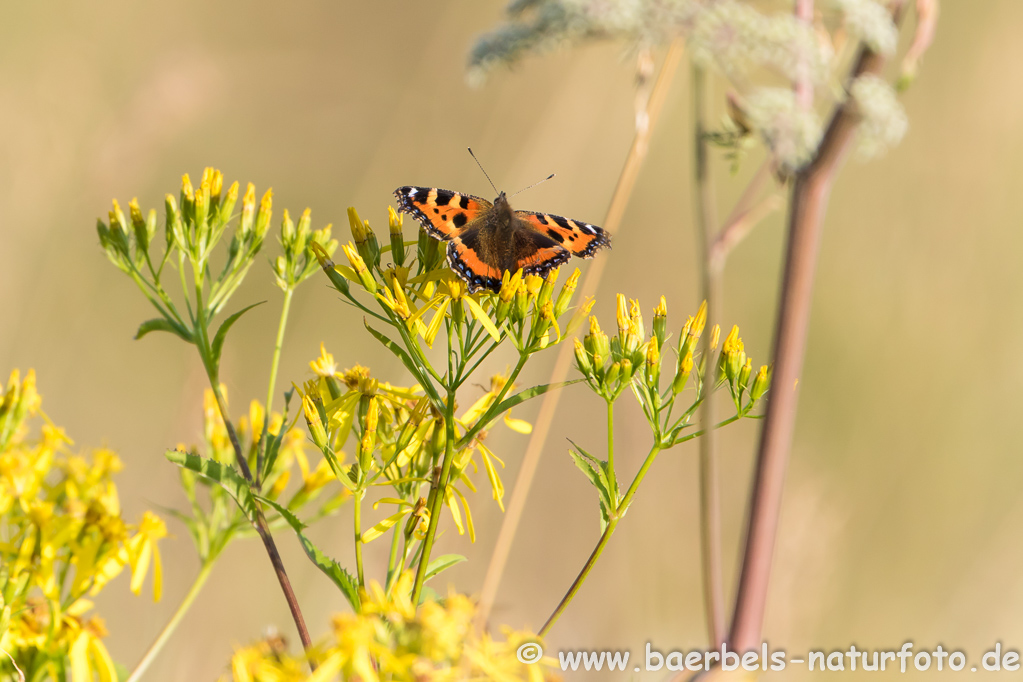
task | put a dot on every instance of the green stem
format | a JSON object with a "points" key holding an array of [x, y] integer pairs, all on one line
{"points": [[611, 476], [438, 495], [392, 560], [277, 350], [358, 536], [273, 380], [612, 523], [172, 624]]}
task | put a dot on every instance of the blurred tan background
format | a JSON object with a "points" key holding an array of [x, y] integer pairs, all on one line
{"points": [[903, 504]]}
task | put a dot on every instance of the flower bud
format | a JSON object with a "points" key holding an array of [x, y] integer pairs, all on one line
{"points": [[303, 230], [323, 258], [394, 224], [685, 366], [715, 334], [761, 382], [263, 217], [521, 302], [138, 224], [597, 343], [201, 209], [661, 322], [582, 359], [317, 431], [360, 268], [653, 364], [622, 315], [227, 207], [567, 291], [248, 210], [288, 231], [627, 370], [174, 230], [732, 351], [547, 289], [359, 235], [613, 374], [187, 195]]}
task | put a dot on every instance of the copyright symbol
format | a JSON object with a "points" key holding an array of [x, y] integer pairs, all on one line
{"points": [[529, 653]]}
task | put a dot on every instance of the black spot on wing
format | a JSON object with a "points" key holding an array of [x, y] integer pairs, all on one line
{"points": [[557, 237], [464, 202], [459, 220], [542, 218], [444, 197], [562, 222]]}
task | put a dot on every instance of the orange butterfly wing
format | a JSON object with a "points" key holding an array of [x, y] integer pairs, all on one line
{"points": [[481, 261], [579, 238], [441, 212]]}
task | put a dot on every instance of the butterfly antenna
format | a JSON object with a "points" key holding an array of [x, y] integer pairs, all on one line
{"points": [[534, 184], [482, 169]]}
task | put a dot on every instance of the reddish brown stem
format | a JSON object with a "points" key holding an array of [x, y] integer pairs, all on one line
{"points": [[810, 193]]}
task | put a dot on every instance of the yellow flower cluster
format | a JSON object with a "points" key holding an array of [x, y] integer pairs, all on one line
{"points": [[398, 439], [389, 640], [62, 540]]}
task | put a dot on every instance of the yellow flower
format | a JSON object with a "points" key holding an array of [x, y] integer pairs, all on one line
{"points": [[143, 547], [324, 365]]}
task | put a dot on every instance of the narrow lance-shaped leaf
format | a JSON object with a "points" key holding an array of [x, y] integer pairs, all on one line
{"points": [[442, 563], [218, 340], [331, 568], [162, 324]]}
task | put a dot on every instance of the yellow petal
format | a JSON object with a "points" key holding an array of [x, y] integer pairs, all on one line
{"points": [[517, 425], [436, 322], [79, 656], [481, 315], [383, 526], [139, 568], [157, 575], [101, 657]]}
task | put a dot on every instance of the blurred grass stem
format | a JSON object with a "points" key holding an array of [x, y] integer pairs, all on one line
{"points": [[563, 362], [711, 271], [172, 624]]}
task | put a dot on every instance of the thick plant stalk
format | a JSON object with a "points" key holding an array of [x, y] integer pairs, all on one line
{"points": [[563, 362], [809, 201]]}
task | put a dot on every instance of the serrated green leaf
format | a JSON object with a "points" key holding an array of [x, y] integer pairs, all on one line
{"points": [[593, 474], [331, 568], [162, 324], [601, 467], [442, 563], [224, 476], [218, 340]]}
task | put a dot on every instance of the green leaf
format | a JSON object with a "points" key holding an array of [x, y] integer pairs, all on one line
{"points": [[594, 474], [442, 563], [332, 569], [508, 403], [224, 476], [218, 340], [162, 324]]}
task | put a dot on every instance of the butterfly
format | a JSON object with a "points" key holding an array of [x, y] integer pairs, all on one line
{"points": [[486, 239]]}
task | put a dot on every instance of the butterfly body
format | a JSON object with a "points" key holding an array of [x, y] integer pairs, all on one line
{"points": [[486, 239]]}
